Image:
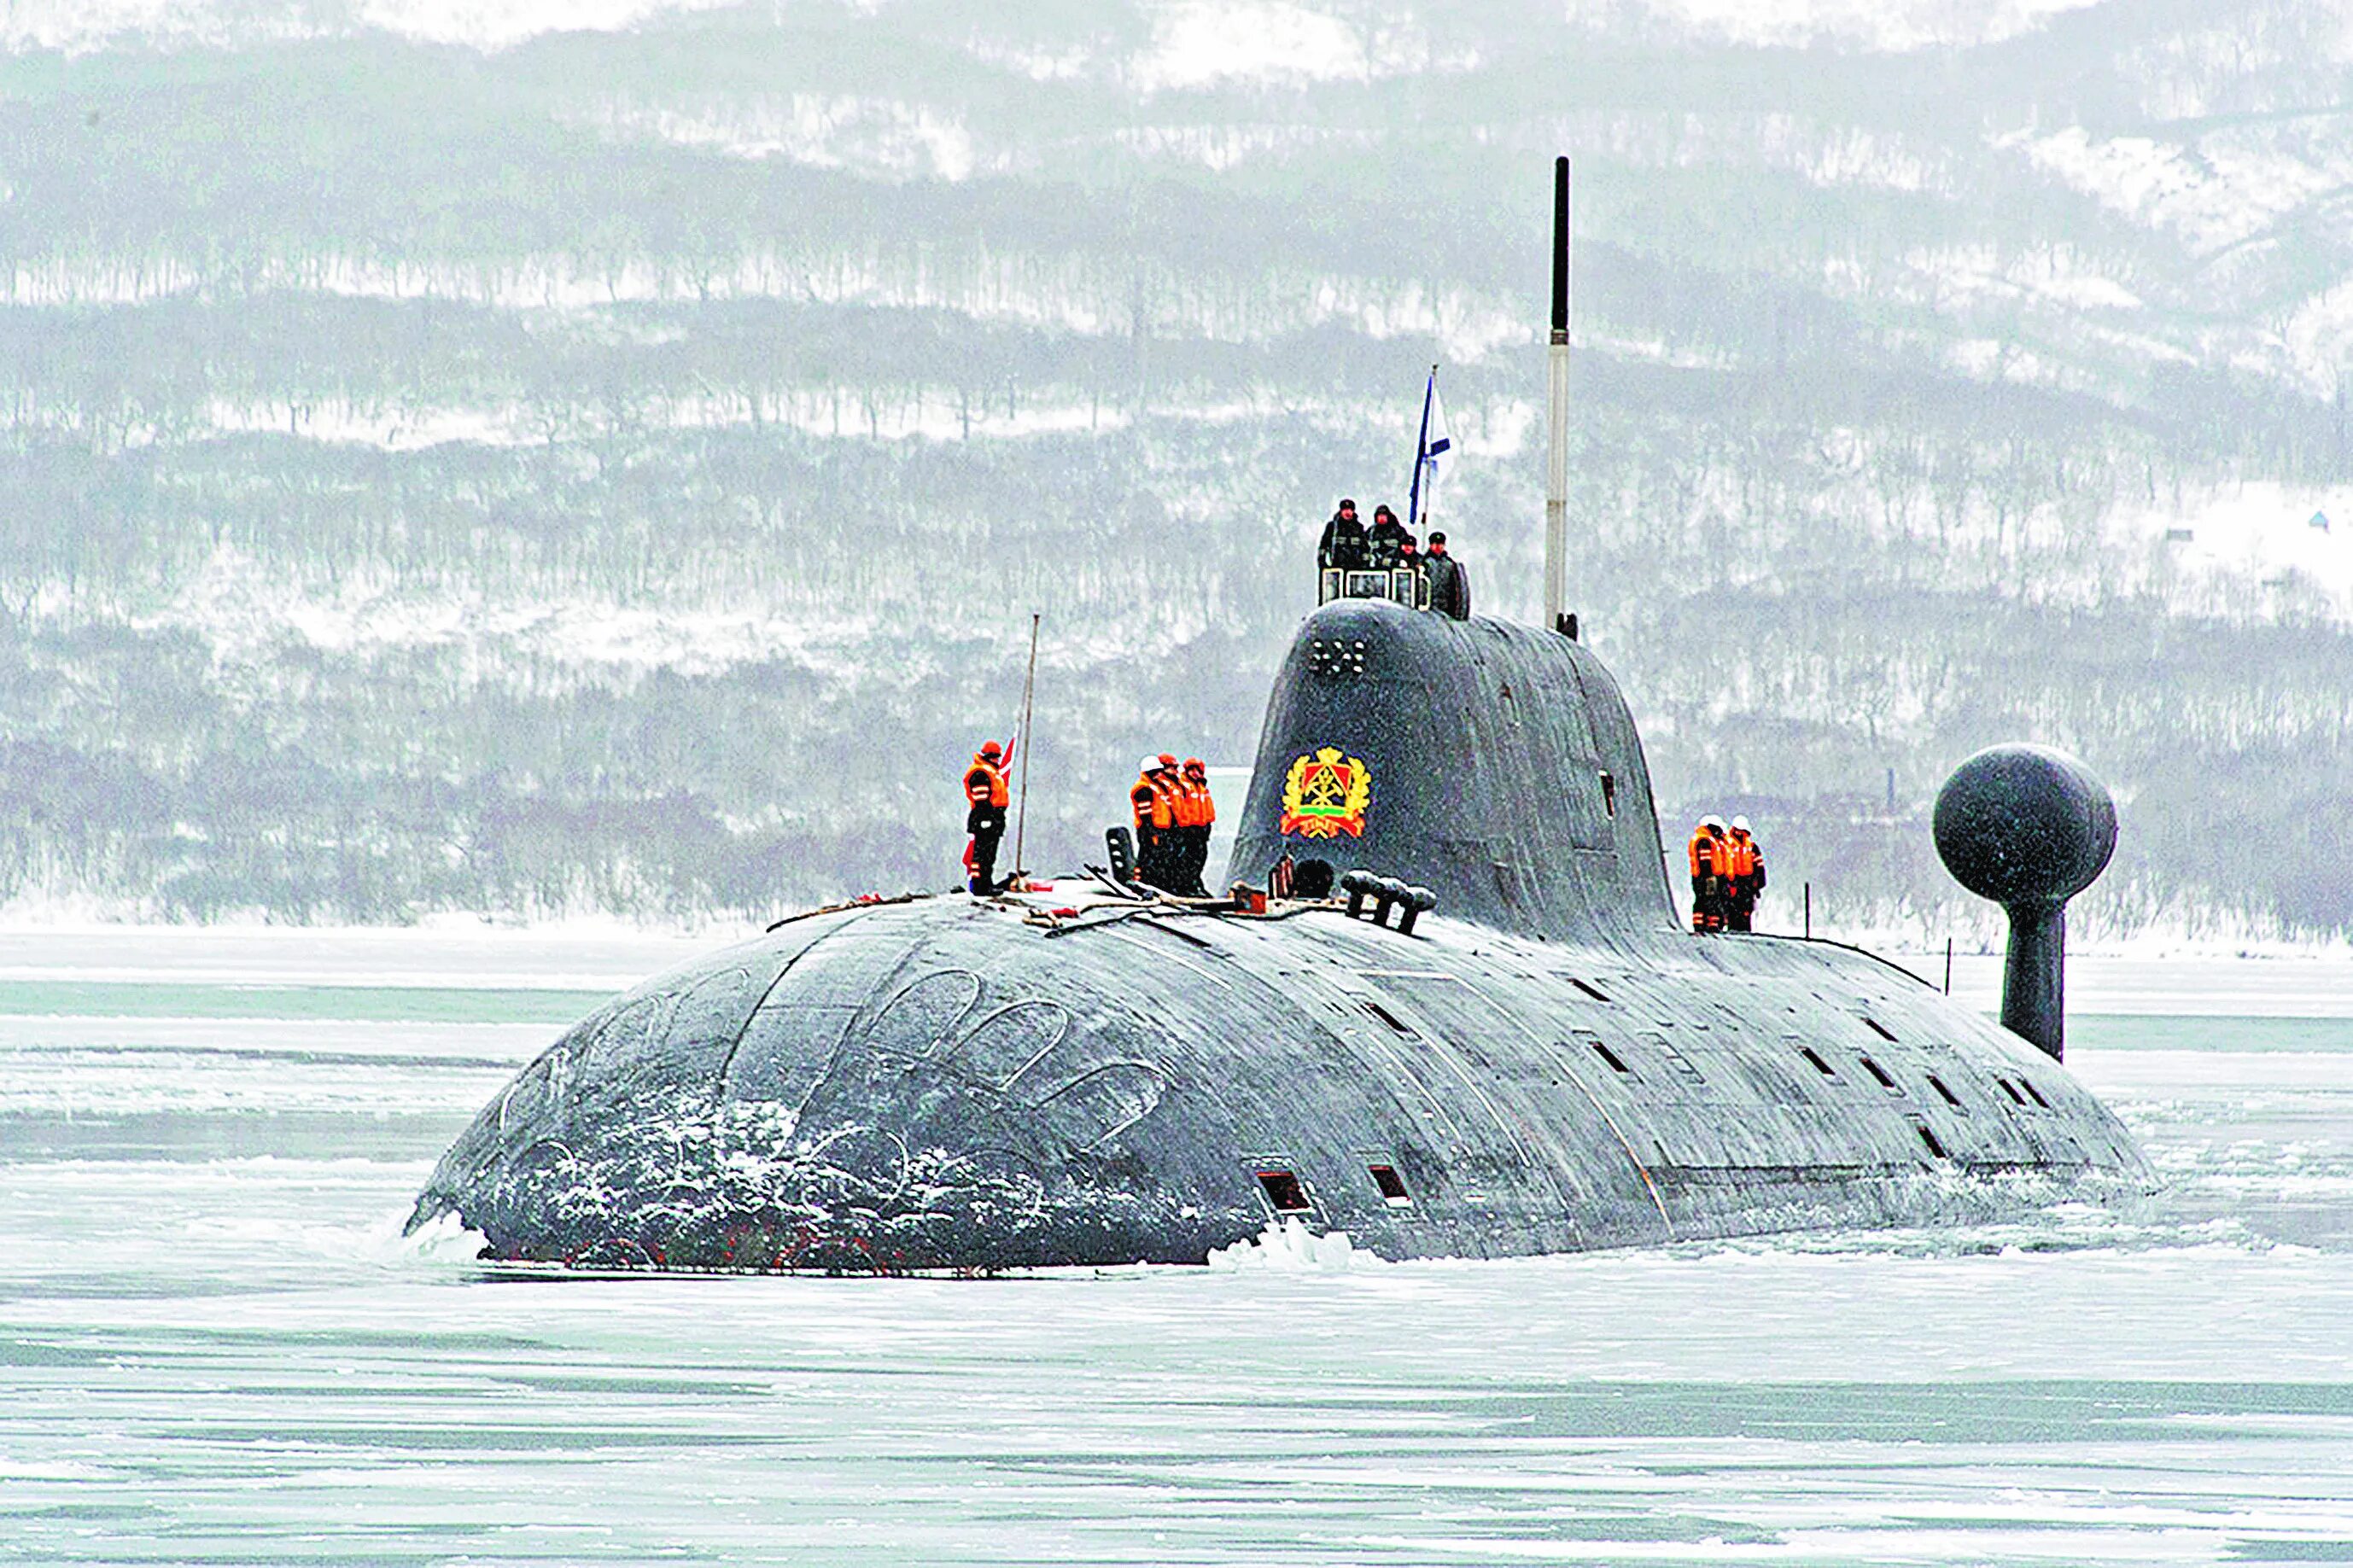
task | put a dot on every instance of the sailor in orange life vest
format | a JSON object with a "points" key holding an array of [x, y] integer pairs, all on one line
{"points": [[1197, 814], [1153, 799], [1711, 856], [1746, 876], [984, 793]]}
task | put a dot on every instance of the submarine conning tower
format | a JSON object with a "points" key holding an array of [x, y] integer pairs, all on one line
{"points": [[1496, 766]]}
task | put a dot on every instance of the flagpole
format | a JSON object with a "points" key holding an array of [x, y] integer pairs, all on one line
{"points": [[1029, 692], [1429, 401], [1420, 452]]}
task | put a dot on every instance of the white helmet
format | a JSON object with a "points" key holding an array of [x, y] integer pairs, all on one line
{"points": [[1739, 824], [1712, 820], [1151, 763]]}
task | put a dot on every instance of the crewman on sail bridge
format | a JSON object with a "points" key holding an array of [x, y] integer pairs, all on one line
{"points": [[1449, 589], [1711, 856], [1343, 544], [985, 794]]}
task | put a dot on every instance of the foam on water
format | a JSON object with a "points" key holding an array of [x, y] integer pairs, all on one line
{"points": [[1289, 1247]]}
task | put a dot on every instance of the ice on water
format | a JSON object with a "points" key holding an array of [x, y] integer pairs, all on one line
{"points": [[220, 1347]]}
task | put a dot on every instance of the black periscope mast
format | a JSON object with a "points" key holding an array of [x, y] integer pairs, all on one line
{"points": [[1534, 1055]]}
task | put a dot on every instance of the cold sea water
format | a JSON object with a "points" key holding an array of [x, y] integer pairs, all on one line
{"points": [[215, 1348]]}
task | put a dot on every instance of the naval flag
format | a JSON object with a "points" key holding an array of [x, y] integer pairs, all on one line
{"points": [[1431, 455]]}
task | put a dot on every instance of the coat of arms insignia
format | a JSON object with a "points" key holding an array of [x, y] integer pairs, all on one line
{"points": [[1326, 795]]}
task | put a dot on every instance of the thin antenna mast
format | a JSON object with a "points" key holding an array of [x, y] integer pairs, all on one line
{"points": [[1557, 464], [1029, 692]]}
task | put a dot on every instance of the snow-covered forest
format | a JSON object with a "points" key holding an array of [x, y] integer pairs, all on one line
{"points": [[613, 470]]}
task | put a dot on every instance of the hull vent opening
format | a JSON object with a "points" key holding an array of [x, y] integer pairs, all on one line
{"points": [[2035, 1093], [1386, 1016], [1929, 1138], [1949, 1097], [2011, 1090], [1882, 1030], [1282, 1190], [1593, 991], [1815, 1057], [1607, 1055], [1392, 1186], [1875, 1070]]}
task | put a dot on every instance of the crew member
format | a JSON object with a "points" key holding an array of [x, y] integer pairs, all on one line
{"points": [[1154, 804], [1170, 781], [1343, 544], [1184, 817], [1204, 814], [1747, 876], [1184, 811], [1450, 586], [1410, 559], [1710, 863], [1381, 545], [984, 795]]}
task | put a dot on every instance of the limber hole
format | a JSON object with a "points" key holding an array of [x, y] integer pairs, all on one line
{"points": [[1930, 1138], [1814, 1057], [1284, 1191], [1593, 991], [1391, 1185], [1607, 1055], [2035, 1093], [1938, 1085], [1875, 1070], [1882, 1030]]}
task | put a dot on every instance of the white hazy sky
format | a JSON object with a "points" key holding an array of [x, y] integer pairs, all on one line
{"points": [[1194, 41]]}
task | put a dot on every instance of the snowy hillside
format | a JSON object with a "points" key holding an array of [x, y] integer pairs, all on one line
{"points": [[545, 459]]}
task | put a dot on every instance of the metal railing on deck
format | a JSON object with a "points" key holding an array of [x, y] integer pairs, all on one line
{"points": [[1404, 585]]}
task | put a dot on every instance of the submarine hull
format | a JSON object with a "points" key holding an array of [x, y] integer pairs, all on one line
{"points": [[945, 1084], [1548, 1063]]}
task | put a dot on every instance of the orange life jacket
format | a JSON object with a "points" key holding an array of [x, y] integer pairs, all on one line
{"points": [[1154, 808], [1707, 855], [1205, 810], [1742, 858], [984, 785]]}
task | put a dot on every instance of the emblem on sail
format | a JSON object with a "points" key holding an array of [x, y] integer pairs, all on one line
{"points": [[1326, 795]]}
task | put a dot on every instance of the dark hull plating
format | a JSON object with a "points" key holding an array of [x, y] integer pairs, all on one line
{"points": [[937, 1085]]}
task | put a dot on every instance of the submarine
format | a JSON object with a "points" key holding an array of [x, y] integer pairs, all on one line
{"points": [[1495, 1037]]}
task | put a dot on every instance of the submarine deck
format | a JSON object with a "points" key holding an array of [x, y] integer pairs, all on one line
{"points": [[1067, 1075]]}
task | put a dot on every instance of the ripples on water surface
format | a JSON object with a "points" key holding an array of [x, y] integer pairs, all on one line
{"points": [[214, 1348]]}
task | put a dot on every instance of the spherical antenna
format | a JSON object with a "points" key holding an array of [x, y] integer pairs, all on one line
{"points": [[2024, 825], [2029, 829]]}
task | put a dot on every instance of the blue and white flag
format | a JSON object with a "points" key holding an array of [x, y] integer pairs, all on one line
{"points": [[1431, 455]]}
